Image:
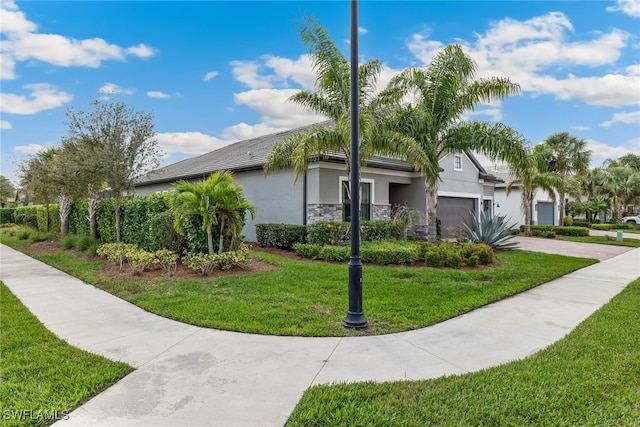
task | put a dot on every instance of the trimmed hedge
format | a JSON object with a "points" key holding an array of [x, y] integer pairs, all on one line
{"points": [[390, 252], [282, 236], [338, 232], [579, 223], [621, 226], [454, 255], [7, 215], [545, 230]]}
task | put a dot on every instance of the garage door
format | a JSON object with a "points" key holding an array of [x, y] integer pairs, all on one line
{"points": [[545, 213], [453, 211]]}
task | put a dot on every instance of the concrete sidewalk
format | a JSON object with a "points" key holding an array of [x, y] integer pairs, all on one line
{"points": [[191, 376]]}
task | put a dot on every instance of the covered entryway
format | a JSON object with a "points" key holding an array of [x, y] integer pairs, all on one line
{"points": [[545, 213], [454, 211]]}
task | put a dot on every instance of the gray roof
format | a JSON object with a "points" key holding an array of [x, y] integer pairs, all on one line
{"points": [[245, 155]]}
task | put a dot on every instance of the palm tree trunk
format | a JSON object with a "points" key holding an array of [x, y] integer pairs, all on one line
{"points": [[527, 200], [561, 209], [431, 192], [210, 239], [221, 244]]}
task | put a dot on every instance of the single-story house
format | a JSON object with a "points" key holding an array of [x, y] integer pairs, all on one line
{"points": [[544, 211], [320, 195]]}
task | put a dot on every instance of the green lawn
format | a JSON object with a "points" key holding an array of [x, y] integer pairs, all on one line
{"points": [[42, 377], [310, 299], [589, 378], [603, 240]]}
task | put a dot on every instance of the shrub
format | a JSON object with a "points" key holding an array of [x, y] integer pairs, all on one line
{"points": [[167, 260], [106, 218], [382, 230], [455, 254], [453, 260], [335, 253], [78, 221], [571, 231], [163, 234], [7, 215], [390, 252], [282, 236], [622, 226], [68, 241], [139, 260], [328, 232], [83, 242], [548, 234], [115, 252], [40, 236], [491, 230], [205, 263], [137, 216], [54, 217], [307, 250], [577, 223], [568, 221], [23, 234]]}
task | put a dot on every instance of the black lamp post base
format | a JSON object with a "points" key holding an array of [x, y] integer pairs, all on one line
{"points": [[355, 321]]}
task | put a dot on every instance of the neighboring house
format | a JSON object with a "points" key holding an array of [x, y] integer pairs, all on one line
{"points": [[321, 193], [543, 209]]}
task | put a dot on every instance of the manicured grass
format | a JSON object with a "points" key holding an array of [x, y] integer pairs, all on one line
{"points": [[589, 378], [603, 240], [310, 299], [42, 377]]}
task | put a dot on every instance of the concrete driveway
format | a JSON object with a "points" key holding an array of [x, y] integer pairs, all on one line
{"points": [[561, 247]]}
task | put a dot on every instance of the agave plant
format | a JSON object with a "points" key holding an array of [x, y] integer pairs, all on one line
{"points": [[490, 229]]}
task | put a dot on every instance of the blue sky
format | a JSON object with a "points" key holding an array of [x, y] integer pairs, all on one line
{"points": [[218, 72]]}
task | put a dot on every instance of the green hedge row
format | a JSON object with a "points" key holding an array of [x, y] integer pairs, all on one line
{"points": [[621, 226], [565, 231], [337, 232], [281, 236], [7, 215]]}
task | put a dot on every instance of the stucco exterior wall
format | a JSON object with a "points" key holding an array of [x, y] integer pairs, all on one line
{"points": [[459, 181], [511, 205]]}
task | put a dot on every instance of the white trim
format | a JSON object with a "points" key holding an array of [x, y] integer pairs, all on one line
{"points": [[366, 169], [366, 180], [461, 195]]}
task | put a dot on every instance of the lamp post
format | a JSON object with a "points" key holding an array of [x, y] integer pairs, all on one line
{"points": [[355, 316]]}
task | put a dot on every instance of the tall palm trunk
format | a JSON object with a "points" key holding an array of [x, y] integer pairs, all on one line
{"points": [[221, 243], [431, 192], [561, 209], [527, 200], [210, 239]]}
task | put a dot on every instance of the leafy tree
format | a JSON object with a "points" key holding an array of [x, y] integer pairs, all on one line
{"points": [[441, 94], [566, 156], [529, 178], [332, 99], [622, 184], [217, 201], [7, 190], [37, 178], [122, 141]]}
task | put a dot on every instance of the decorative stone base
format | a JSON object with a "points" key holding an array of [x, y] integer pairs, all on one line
{"points": [[333, 212]]}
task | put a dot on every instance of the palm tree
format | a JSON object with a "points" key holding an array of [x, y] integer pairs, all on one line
{"points": [[529, 178], [443, 93], [622, 184], [215, 200], [331, 99], [566, 156]]}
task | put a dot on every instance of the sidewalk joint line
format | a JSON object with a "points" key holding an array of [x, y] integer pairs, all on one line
{"points": [[325, 361]]}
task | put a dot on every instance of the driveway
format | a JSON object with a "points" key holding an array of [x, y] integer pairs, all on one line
{"points": [[561, 247]]}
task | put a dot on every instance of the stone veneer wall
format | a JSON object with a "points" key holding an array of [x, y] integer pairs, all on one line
{"points": [[333, 212]]}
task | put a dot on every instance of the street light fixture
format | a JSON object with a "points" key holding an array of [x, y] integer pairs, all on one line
{"points": [[355, 316]]}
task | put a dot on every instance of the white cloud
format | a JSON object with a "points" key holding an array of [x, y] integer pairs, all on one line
{"points": [[43, 97], [534, 52], [275, 71], [193, 143], [30, 149], [209, 76], [112, 89], [601, 152], [5, 125], [581, 128], [362, 30], [627, 118], [21, 42], [629, 7], [158, 94]]}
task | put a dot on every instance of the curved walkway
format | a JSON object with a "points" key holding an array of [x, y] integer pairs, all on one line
{"points": [[192, 376]]}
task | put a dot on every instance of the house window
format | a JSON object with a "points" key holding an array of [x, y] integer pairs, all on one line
{"points": [[457, 162], [365, 200]]}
